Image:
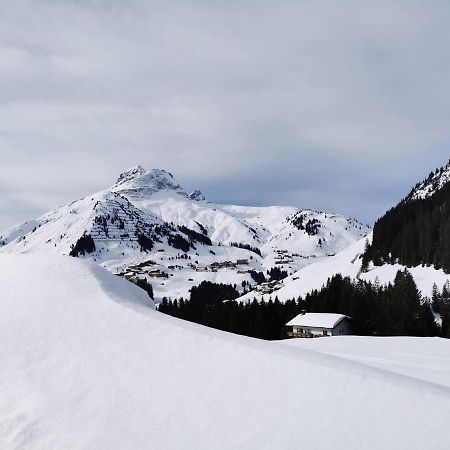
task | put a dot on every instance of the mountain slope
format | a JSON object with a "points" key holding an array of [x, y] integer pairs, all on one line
{"points": [[182, 235], [87, 363], [417, 230], [436, 180], [348, 263]]}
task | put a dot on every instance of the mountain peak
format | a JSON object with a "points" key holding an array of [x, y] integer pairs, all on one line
{"points": [[130, 174], [197, 196], [137, 182]]}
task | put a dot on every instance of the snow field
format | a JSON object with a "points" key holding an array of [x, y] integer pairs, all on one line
{"points": [[88, 363]]}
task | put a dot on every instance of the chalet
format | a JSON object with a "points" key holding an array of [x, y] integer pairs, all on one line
{"points": [[311, 325], [242, 262], [157, 274], [229, 264], [221, 265]]}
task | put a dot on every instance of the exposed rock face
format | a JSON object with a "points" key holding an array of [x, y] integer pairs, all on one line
{"points": [[197, 195], [137, 182]]}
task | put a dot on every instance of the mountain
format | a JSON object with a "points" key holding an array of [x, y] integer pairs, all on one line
{"points": [[87, 363], [147, 226]]}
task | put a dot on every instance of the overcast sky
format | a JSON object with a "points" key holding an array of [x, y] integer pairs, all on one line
{"points": [[331, 105]]}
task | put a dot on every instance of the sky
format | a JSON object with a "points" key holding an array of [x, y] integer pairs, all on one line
{"points": [[334, 106]]}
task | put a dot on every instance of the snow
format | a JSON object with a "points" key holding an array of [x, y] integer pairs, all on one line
{"points": [[427, 359], [316, 320], [18, 231], [87, 363]]}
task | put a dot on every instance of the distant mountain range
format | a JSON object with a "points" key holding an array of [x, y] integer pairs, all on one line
{"points": [[147, 225]]}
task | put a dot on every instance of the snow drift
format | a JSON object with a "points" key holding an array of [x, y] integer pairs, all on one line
{"points": [[87, 363]]}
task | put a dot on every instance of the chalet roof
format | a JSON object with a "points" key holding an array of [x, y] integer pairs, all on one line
{"points": [[316, 320]]}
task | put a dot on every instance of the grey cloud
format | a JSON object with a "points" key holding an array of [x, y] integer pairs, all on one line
{"points": [[328, 105]]}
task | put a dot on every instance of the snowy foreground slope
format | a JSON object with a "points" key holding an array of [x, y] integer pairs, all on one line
{"points": [[424, 358], [87, 363]]}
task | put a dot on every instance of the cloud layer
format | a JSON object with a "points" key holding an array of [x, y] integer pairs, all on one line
{"points": [[338, 106]]}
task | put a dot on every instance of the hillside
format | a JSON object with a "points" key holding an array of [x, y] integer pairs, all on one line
{"points": [[417, 230], [349, 264], [147, 226], [88, 363]]}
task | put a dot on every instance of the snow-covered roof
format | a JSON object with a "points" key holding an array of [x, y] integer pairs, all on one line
{"points": [[316, 320]]}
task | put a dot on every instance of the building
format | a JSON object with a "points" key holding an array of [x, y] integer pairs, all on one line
{"points": [[156, 273], [269, 286], [222, 265], [310, 325], [242, 262]]}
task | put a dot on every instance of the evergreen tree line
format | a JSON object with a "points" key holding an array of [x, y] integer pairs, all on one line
{"points": [[441, 306], [275, 273], [195, 236], [143, 284], [145, 242], [311, 226], [393, 310], [85, 244], [246, 247], [414, 232]]}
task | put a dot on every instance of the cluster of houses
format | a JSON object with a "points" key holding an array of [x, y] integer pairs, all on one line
{"points": [[153, 273], [213, 267], [283, 257], [146, 267], [269, 287], [229, 264], [157, 273]]}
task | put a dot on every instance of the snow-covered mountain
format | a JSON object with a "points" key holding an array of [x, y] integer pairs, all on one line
{"points": [[147, 225], [87, 363]]}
